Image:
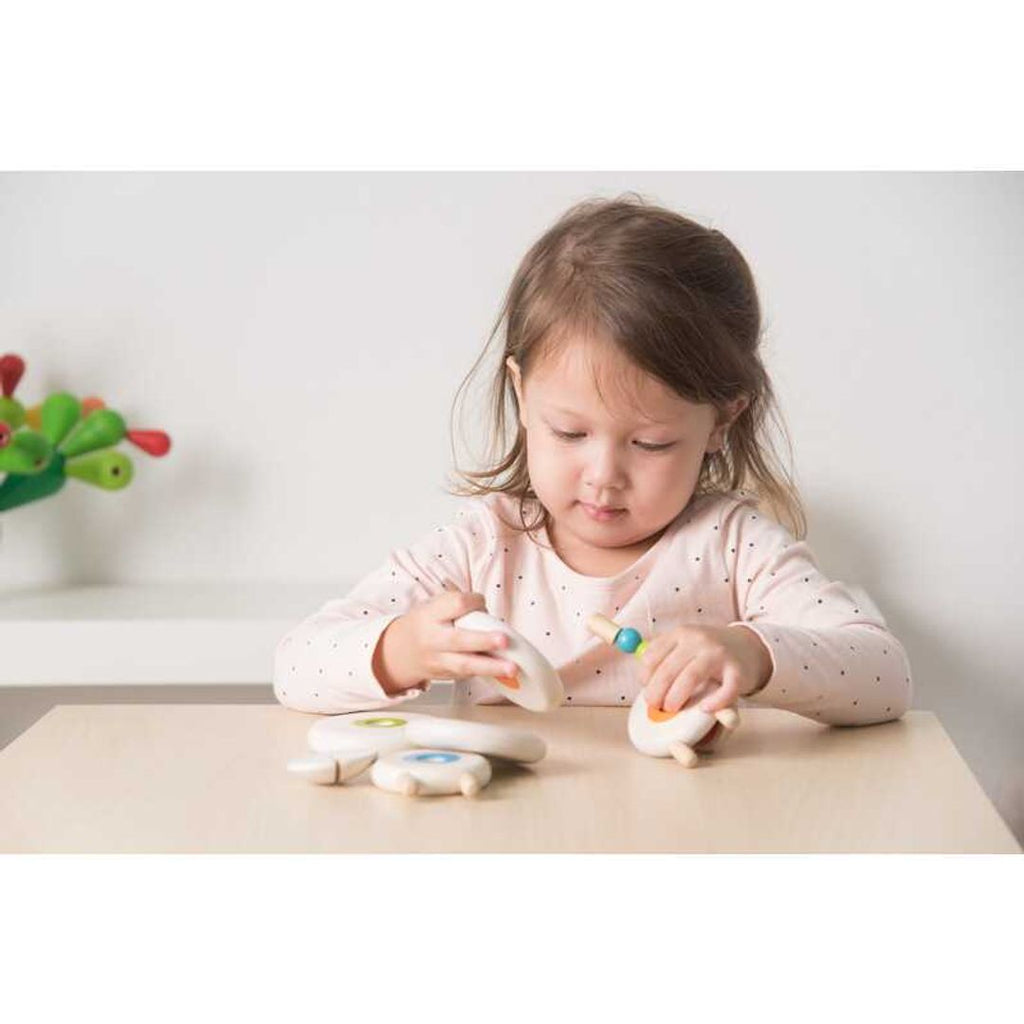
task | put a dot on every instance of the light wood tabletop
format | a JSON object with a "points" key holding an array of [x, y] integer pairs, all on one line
{"points": [[122, 778]]}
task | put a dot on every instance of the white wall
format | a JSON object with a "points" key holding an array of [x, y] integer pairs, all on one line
{"points": [[301, 336]]}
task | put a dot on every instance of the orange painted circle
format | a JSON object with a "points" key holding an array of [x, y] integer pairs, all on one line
{"points": [[512, 682], [657, 715]]}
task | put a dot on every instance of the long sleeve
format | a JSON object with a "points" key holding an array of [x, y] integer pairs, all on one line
{"points": [[325, 663], [833, 657]]}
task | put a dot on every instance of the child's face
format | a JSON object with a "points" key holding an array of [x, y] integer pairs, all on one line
{"points": [[639, 450]]}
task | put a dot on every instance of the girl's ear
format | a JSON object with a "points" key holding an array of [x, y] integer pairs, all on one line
{"points": [[517, 381], [726, 418]]}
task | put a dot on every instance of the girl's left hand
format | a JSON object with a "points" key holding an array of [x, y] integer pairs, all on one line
{"points": [[678, 662]]}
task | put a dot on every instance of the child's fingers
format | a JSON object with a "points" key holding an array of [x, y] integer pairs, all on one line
{"points": [[455, 639], [664, 676], [685, 682], [654, 653], [458, 666], [453, 604], [726, 694], [465, 651], [655, 687]]}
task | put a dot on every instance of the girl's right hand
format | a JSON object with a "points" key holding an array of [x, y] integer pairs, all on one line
{"points": [[425, 644]]}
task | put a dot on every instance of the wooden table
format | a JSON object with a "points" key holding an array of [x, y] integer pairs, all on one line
{"points": [[211, 778]]}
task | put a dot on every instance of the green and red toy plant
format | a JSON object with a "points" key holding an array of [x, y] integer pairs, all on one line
{"points": [[62, 437]]}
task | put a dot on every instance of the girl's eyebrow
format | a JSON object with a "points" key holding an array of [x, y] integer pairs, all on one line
{"points": [[646, 422]]}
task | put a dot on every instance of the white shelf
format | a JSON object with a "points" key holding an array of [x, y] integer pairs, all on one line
{"points": [[153, 633]]}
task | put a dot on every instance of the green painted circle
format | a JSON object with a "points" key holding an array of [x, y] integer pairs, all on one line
{"points": [[381, 723]]}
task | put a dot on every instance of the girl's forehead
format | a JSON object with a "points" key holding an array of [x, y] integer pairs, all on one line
{"points": [[580, 360], [581, 374]]}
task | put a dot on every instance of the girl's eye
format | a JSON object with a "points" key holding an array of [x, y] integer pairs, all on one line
{"points": [[565, 436]]}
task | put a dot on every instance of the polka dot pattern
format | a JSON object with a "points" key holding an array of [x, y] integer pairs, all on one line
{"points": [[833, 658]]}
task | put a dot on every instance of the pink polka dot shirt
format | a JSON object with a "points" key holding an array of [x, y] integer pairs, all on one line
{"points": [[720, 562]]}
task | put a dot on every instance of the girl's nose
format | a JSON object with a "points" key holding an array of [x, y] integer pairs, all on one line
{"points": [[603, 469]]}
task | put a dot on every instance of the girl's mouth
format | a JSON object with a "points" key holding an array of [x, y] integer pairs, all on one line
{"points": [[601, 515]]}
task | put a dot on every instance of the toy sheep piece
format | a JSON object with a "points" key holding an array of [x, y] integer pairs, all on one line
{"points": [[431, 772], [660, 733]]}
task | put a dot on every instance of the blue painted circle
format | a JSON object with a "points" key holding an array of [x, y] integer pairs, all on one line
{"points": [[627, 640], [432, 758]]}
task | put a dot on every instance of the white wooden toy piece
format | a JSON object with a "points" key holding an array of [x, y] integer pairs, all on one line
{"points": [[449, 741], [365, 732], [677, 733], [343, 746], [326, 770], [431, 772], [476, 737], [665, 733], [536, 685]]}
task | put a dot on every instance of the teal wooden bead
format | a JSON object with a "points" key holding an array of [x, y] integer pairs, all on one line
{"points": [[628, 640]]}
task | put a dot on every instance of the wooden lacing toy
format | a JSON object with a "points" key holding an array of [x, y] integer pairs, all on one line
{"points": [[660, 733]]}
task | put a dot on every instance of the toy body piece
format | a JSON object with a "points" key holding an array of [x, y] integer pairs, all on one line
{"points": [[661, 733], [452, 759], [476, 738], [431, 772], [677, 733], [364, 732], [536, 685]]}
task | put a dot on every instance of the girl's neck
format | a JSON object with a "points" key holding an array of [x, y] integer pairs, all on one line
{"points": [[593, 561]]}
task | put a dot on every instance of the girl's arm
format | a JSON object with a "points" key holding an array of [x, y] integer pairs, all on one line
{"points": [[833, 656], [327, 663]]}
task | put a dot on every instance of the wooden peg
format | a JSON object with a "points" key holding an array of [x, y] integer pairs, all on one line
{"points": [[469, 784], [729, 718], [685, 755], [603, 627]]}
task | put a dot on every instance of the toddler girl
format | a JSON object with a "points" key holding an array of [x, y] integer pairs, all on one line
{"points": [[637, 482]]}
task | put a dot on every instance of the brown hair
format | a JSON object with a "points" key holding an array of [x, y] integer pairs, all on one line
{"points": [[679, 301]]}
